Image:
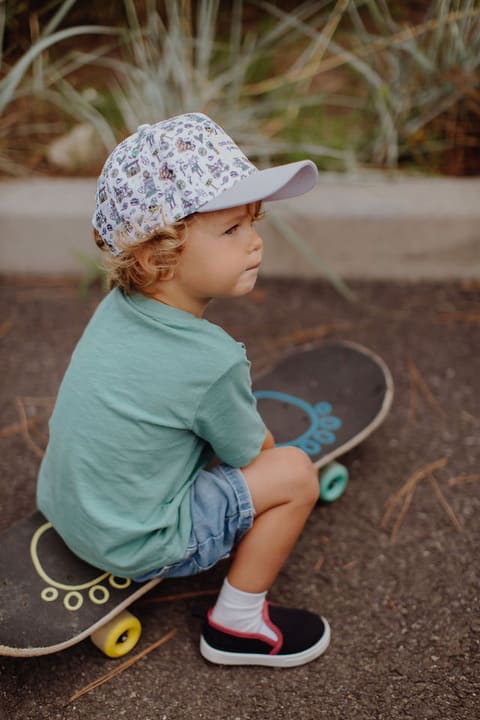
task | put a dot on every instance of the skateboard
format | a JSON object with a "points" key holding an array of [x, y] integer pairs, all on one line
{"points": [[325, 400], [50, 599]]}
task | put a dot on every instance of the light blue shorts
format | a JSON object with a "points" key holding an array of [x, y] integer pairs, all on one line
{"points": [[222, 512]]}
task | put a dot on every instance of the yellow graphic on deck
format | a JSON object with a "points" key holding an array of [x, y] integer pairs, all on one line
{"points": [[98, 594]]}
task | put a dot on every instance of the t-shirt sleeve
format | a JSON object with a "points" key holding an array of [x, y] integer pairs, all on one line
{"points": [[227, 418]]}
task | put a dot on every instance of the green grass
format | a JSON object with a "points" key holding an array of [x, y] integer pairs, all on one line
{"points": [[262, 71]]}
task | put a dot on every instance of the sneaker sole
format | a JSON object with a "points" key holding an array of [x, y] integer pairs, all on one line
{"points": [[221, 657]]}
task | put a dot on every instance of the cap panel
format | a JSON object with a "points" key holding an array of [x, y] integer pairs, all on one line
{"points": [[161, 174]]}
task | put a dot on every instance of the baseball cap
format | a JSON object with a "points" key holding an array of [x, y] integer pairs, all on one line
{"points": [[174, 168]]}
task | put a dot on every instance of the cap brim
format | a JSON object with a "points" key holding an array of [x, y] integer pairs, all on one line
{"points": [[277, 183]]}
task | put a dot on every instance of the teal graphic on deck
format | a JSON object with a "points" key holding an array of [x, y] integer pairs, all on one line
{"points": [[322, 422]]}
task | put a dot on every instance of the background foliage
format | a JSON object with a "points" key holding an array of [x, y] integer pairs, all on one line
{"points": [[348, 82]]}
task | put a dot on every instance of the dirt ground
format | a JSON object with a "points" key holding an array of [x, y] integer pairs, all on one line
{"points": [[403, 598]]}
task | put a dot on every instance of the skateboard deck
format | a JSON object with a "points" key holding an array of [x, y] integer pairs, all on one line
{"points": [[50, 599], [325, 399]]}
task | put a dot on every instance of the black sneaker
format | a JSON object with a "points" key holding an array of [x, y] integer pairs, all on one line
{"points": [[301, 637]]}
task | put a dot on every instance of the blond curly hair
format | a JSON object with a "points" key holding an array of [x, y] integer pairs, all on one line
{"points": [[139, 267]]}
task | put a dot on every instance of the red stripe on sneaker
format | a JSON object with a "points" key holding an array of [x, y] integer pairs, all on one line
{"points": [[266, 618], [276, 645]]}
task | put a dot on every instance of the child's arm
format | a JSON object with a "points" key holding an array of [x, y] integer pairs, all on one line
{"points": [[268, 444]]}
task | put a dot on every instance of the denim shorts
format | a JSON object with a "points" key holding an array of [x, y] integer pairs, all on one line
{"points": [[222, 512]]}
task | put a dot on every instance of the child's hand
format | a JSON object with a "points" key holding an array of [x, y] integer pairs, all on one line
{"points": [[269, 441]]}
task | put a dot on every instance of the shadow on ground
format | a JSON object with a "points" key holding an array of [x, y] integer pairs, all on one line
{"points": [[402, 600]]}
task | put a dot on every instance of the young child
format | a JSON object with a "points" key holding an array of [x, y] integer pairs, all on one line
{"points": [[154, 394]]}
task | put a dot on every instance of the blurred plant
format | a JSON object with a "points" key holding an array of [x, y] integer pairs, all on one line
{"points": [[189, 60], [33, 74], [413, 75], [430, 77], [92, 274], [404, 92]]}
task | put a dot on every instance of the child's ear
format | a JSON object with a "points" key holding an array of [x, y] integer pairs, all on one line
{"points": [[145, 256], [168, 274]]}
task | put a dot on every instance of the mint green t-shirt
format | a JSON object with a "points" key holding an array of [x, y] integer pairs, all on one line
{"points": [[150, 395]]}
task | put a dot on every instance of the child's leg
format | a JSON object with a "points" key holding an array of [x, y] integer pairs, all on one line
{"points": [[241, 628], [284, 488]]}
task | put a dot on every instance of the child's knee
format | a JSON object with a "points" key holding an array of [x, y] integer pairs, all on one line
{"points": [[304, 476]]}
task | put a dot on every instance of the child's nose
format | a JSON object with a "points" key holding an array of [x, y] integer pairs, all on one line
{"points": [[256, 241]]}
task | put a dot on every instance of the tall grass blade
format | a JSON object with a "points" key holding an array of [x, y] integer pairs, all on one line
{"points": [[9, 83], [62, 11], [285, 229]]}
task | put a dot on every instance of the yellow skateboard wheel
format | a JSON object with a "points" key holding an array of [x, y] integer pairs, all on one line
{"points": [[117, 637]]}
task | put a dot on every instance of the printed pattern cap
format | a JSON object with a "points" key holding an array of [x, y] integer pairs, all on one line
{"points": [[163, 173]]}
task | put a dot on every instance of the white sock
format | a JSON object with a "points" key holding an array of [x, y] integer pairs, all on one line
{"points": [[241, 611]]}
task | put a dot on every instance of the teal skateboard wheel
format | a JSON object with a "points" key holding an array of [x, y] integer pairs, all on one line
{"points": [[332, 480]]}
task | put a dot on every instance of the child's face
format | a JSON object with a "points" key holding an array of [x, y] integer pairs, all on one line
{"points": [[221, 258]]}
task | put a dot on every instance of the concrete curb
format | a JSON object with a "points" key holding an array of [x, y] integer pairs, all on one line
{"points": [[370, 227]]}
